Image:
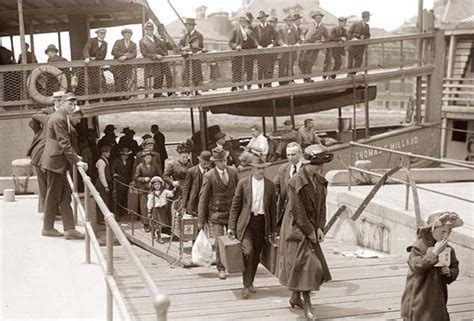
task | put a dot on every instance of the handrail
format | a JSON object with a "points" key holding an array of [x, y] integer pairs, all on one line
{"points": [[161, 302], [411, 155]]}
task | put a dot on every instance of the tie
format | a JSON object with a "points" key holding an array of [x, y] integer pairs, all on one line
{"points": [[293, 172], [225, 180]]}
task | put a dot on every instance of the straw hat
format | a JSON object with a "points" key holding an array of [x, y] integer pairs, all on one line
{"points": [[317, 155]]}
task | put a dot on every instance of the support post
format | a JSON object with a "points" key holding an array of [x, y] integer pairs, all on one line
{"points": [[434, 84], [193, 126], [419, 45], [143, 21], [87, 218], [110, 268], [202, 129], [366, 98], [264, 126], [60, 47], [292, 111], [74, 202], [407, 186], [21, 24], [351, 160], [31, 32], [274, 115]]}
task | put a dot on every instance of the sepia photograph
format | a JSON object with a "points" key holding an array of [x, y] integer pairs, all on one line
{"points": [[236, 160]]}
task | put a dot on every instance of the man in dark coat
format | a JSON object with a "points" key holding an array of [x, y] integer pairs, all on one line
{"points": [[154, 47], [222, 142], [52, 53], [193, 182], [52, 83], [338, 35], [358, 30], [96, 49], [302, 266], [58, 155], [290, 36], [242, 38], [109, 138], [285, 173], [267, 37], [191, 32], [215, 200], [122, 172], [160, 144], [317, 33], [30, 57], [123, 50], [128, 141], [252, 220]]}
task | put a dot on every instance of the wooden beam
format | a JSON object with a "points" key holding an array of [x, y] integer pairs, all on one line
{"points": [[434, 96], [76, 10]]}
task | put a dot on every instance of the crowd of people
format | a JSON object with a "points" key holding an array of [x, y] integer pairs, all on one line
{"points": [[246, 35]]}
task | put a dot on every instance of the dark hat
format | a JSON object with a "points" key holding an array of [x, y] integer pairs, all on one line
{"points": [[365, 14], [259, 163], [109, 128], [287, 122], [249, 15], [125, 130], [205, 156], [190, 21], [183, 148], [274, 19], [262, 14], [146, 136], [244, 18], [125, 151], [444, 217], [149, 25], [193, 37], [219, 154], [317, 155], [219, 135], [101, 30], [127, 30], [316, 13], [342, 18], [289, 17], [297, 16], [105, 149], [51, 48]]}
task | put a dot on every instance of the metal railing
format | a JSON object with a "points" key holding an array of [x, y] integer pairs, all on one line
{"points": [[213, 71], [408, 157], [160, 301]]}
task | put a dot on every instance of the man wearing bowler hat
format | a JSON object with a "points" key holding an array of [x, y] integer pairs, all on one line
{"points": [[317, 33], [57, 158], [358, 31], [267, 37], [338, 35], [252, 219], [96, 49], [191, 32], [290, 36], [215, 200], [193, 182], [124, 49], [154, 47]]}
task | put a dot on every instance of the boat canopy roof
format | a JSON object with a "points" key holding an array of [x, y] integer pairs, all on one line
{"points": [[53, 15]]}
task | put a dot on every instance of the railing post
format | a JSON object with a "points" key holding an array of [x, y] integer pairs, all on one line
{"points": [[86, 210], [86, 83], [407, 192], [161, 304], [110, 267], [350, 165], [74, 202]]}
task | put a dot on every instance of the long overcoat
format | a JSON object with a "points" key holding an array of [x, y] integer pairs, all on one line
{"points": [[302, 266]]}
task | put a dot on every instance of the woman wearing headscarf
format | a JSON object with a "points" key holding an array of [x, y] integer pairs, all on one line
{"points": [[302, 266]]}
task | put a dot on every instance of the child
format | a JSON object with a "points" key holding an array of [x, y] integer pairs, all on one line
{"points": [[432, 265], [157, 204]]}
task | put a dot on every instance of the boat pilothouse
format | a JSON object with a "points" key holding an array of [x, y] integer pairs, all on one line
{"points": [[204, 81]]}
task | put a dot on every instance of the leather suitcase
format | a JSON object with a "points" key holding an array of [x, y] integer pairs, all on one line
{"points": [[231, 254], [269, 257]]}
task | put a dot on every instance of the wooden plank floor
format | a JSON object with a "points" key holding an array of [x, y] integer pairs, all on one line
{"points": [[361, 288]]}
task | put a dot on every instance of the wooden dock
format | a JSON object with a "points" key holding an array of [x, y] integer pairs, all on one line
{"points": [[361, 288]]}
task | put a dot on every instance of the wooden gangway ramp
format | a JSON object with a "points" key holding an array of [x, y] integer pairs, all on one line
{"points": [[360, 289]]}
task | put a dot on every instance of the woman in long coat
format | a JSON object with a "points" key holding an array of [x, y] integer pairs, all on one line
{"points": [[177, 169], [302, 266]]}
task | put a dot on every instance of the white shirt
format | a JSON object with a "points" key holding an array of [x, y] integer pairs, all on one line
{"points": [[100, 165], [259, 142], [244, 33], [257, 196], [159, 199], [152, 39], [222, 173], [201, 169], [127, 43], [298, 167]]}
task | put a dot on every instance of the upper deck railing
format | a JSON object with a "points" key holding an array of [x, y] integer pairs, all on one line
{"points": [[458, 92], [212, 72]]}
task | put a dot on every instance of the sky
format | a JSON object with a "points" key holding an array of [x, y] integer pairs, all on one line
{"points": [[386, 14]]}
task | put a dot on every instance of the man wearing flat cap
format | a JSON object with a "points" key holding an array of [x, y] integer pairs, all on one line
{"points": [[154, 47], [96, 49], [123, 50], [317, 33], [267, 37], [215, 200], [252, 220], [193, 182], [58, 156], [302, 266], [338, 35], [358, 31], [242, 38]]}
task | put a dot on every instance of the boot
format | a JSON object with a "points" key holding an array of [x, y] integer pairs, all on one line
{"points": [[295, 300], [73, 234], [52, 233], [158, 237], [308, 310]]}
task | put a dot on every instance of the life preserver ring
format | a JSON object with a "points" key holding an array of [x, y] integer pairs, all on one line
{"points": [[38, 71]]}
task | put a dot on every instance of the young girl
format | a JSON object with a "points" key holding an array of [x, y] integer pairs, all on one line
{"points": [[432, 265], [158, 200]]}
